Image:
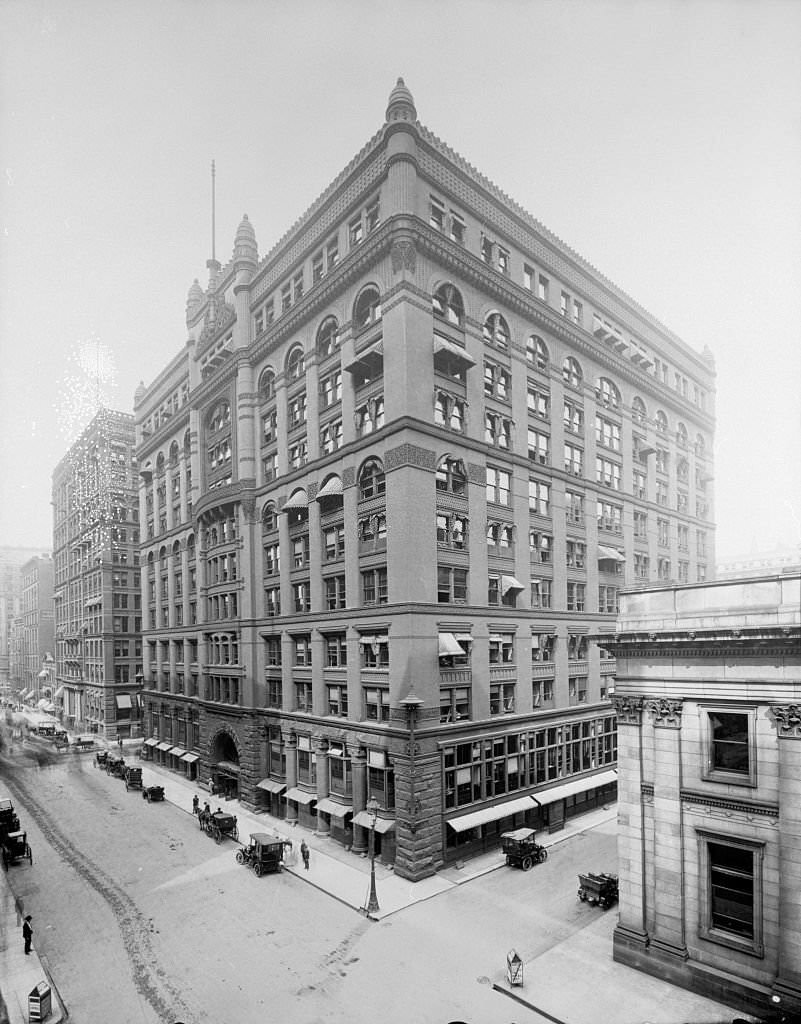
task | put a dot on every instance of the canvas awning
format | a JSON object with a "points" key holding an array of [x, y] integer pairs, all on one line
{"points": [[382, 825], [300, 796], [271, 786], [150, 743], [331, 488], [609, 554], [297, 499], [374, 351], [582, 785], [443, 345], [58, 692], [164, 746], [494, 813], [510, 583], [333, 808], [191, 758], [177, 752], [371, 641], [123, 700], [448, 644]]}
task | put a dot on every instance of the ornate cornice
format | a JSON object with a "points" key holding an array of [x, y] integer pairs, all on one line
{"points": [[748, 807], [788, 720], [410, 455], [665, 710]]}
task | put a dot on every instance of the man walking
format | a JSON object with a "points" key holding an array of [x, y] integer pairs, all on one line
{"points": [[27, 933], [304, 852]]}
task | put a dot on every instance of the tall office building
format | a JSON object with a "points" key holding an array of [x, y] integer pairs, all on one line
{"points": [[97, 594], [389, 488], [37, 662], [11, 561]]}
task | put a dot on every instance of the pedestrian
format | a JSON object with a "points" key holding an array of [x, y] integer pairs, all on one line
{"points": [[195, 804], [27, 933], [119, 743], [304, 852]]}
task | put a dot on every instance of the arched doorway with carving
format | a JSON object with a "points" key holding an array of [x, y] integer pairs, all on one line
{"points": [[224, 763]]}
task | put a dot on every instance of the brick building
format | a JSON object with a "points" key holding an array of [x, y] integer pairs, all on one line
{"points": [[410, 454]]}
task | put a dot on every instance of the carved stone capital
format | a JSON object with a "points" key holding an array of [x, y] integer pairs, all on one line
{"points": [[403, 255], [409, 455], [666, 711], [628, 710], [788, 720]]}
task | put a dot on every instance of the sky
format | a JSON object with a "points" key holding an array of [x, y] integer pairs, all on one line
{"points": [[660, 140]]}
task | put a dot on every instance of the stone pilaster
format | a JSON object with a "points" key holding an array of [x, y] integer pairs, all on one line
{"points": [[321, 750], [291, 748], [359, 762]]}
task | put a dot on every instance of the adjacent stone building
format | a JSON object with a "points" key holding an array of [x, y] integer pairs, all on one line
{"points": [[394, 480], [708, 697]]}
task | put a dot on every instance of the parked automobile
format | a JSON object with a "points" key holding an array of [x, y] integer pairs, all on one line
{"points": [[153, 794], [522, 849], [16, 848], [601, 890], [264, 853]]}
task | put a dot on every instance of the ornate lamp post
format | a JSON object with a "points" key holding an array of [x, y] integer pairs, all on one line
{"points": [[412, 704], [372, 810]]}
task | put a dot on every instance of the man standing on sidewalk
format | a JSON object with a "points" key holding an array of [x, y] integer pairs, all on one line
{"points": [[304, 852], [27, 933]]}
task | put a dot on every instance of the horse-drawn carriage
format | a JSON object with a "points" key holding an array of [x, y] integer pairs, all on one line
{"points": [[9, 822], [264, 853], [598, 889], [522, 849], [15, 847], [219, 825], [153, 794], [116, 766], [133, 777], [101, 758]]}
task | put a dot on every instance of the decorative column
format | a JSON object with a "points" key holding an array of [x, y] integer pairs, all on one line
{"points": [[788, 728], [359, 762], [291, 747], [668, 860], [321, 750], [631, 934]]}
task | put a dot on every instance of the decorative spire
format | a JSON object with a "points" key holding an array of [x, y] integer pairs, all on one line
{"points": [[245, 247], [401, 104], [194, 300]]}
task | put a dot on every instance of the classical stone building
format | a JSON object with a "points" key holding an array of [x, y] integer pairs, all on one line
{"points": [[37, 633], [708, 697], [393, 481], [96, 589], [11, 649]]}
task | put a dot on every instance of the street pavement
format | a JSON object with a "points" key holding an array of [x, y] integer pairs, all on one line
{"points": [[575, 982]]}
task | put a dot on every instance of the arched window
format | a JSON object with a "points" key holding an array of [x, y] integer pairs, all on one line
{"points": [[448, 305], [295, 364], [572, 373], [328, 337], [638, 410], [496, 331], [607, 392], [267, 385], [371, 480], [174, 453], [220, 416], [451, 475], [190, 547], [160, 464], [176, 553], [367, 308], [269, 518], [661, 421], [163, 559], [537, 352], [700, 444], [681, 435]]}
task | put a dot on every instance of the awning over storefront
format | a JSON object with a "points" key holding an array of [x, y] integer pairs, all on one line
{"points": [[448, 644], [150, 743], [494, 813], [443, 345], [382, 825], [510, 583], [272, 786], [297, 499], [330, 488], [333, 808], [300, 796], [191, 758], [58, 692], [609, 554], [582, 785], [177, 752], [163, 746], [123, 700]]}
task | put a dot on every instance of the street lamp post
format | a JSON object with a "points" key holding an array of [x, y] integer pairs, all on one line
{"points": [[372, 810], [412, 705]]}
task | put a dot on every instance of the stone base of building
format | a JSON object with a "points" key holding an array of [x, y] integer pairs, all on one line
{"points": [[654, 959]]}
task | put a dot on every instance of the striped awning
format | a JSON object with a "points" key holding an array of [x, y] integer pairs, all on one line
{"points": [[331, 488], [374, 351], [448, 644], [297, 499], [609, 554], [443, 345], [494, 813], [582, 785], [510, 583], [382, 825]]}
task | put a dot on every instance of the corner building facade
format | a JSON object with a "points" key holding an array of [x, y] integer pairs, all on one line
{"points": [[389, 488]]}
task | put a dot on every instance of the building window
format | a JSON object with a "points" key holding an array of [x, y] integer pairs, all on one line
{"points": [[542, 287], [331, 437], [540, 546], [451, 530], [376, 704], [370, 416], [539, 497], [730, 746], [498, 430], [573, 459], [572, 373], [541, 593], [375, 651], [610, 517], [303, 700], [498, 485], [607, 433], [537, 353], [539, 446], [496, 331], [451, 476], [607, 393], [449, 411], [330, 391], [538, 400], [302, 650], [373, 532], [576, 554], [454, 704], [608, 600], [663, 568], [334, 542], [641, 566], [573, 416], [372, 482], [731, 897], [448, 305], [296, 364], [451, 585], [497, 381], [574, 507], [542, 647], [374, 586], [334, 592], [367, 309], [576, 596], [502, 649], [336, 650], [577, 689], [502, 698], [301, 596], [337, 697], [607, 472]]}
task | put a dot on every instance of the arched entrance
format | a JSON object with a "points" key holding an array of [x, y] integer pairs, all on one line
{"points": [[224, 765]]}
